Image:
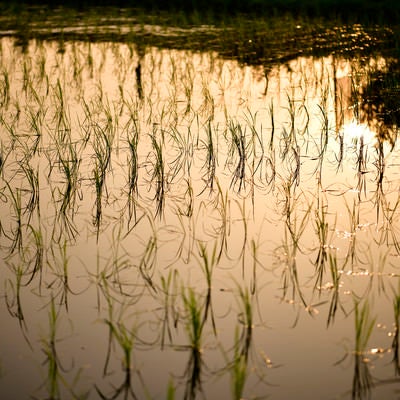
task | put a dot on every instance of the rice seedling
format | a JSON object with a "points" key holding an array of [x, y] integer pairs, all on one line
{"points": [[36, 124], [396, 334], [270, 170], [68, 162], [255, 145], [158, 175], [34, 189], [364, 324], [124, 337], [187, 222], [60, 118], [60, 268], [362, 379], [354, 216], [380, 173], [148, 262], [238, 363], [322, 230], [222, 205], [11, 129], [211, 161], [26, 80], [238, 146], [245, 318], [188, 83], [294, 229], [133, 141], [13, 299], [334, 287], [239, 369], [207, 108], [3, 157], [132, 130], [362, 167], [170, 390], [324, 137], [38, 257], [185, 152], [102, 147], [208, 263], [194, 328], [169, 289], [187, 200], [5, 89], [139, 85], [49, 348], [288, 139], [271, 114], [16, 235]]}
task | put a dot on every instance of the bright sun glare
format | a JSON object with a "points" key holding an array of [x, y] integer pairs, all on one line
{"points": [[353, 132]]}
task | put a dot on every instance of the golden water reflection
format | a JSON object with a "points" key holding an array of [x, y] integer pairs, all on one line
{"points": [[172, 209]]}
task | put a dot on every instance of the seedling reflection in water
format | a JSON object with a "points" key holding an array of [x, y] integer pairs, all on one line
{"points": [[364, 324], [194, 327], [102, 147], [158, 174], [210, 163], [54, 367], [125, 339]]}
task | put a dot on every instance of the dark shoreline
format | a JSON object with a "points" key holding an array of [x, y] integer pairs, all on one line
{"points": [[349, 11]]}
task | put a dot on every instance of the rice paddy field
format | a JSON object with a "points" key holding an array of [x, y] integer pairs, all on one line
{"points": [[198, 211]]}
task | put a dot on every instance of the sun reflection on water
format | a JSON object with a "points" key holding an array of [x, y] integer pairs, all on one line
{"points": [[355, 133]]}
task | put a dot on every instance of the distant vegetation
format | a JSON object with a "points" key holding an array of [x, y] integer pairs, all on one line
{"points": [[350, 10]]}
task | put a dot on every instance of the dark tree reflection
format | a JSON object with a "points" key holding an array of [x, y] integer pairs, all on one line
{"points": [[380, 105]]}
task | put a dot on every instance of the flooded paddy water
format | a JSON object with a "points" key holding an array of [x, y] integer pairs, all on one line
{"points": [[177, 223]]}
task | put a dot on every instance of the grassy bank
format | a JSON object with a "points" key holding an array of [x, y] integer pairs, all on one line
{"points": [[385, 11]]}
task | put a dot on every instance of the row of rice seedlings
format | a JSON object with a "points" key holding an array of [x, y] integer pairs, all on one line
{"points": [[291, 108], [297, 163]]}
